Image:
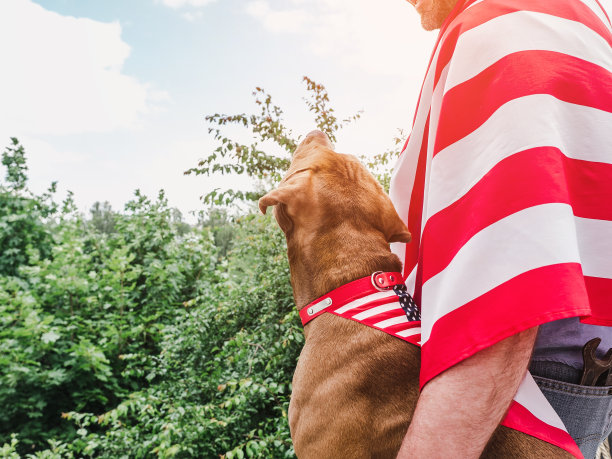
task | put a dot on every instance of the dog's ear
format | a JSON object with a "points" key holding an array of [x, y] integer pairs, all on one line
{"points": [[395, 229], [288, 191], [400, 234], [280, 195], [278, 198]]}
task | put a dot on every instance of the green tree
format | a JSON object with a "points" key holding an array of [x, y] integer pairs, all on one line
{"points": [[14, 160], [102, 217], [23, 233], [80, 327], [219, 222]]}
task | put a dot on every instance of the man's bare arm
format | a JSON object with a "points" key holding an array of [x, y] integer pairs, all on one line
{"points": [[460, 409]]}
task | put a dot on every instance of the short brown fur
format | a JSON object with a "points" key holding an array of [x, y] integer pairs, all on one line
{"points": [[354, 387]]}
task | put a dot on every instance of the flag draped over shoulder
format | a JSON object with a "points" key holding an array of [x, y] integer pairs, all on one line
{"points": [[506, 182]]}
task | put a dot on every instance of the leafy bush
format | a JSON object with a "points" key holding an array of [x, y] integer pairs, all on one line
{"points": [[22, 215], [145, 340], [79, 327], [221, 382]]}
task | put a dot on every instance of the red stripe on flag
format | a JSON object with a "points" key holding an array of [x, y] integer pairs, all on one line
{"points": [[413, 339], [573, 10], [365, 307], [600, 296], [521, 419], [532, 177], [538, 296], [393, 329], [401, 327], [384, 316], [415, 211], [468, 105]]}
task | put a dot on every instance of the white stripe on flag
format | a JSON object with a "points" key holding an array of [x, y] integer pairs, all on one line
{"points": [[595, 246], [436, 103], [364, 300], [531, 397], [410, 281], [534, 237], [520, 124], [598, 11], [475, 3], [409, 332], [482, 46], [392, 321], [378, 310]]}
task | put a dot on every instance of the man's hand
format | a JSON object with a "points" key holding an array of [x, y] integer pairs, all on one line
{"points": [[459, 410]]}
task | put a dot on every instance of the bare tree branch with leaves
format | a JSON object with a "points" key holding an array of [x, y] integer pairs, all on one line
{"points": [[251, 160]]}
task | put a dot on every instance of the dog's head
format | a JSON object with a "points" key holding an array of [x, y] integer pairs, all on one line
{"points": [[323, 190]]}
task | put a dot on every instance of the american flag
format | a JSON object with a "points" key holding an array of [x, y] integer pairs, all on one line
{"points": [[391, 310], [506, 184]]}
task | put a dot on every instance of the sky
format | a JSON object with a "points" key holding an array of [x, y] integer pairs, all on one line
{"points": [[110, 96]]}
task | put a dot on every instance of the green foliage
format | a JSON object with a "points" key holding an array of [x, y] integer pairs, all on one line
{"points": [[150, 338], [219, 222], [9, 450], [14, 160], [81, 326], [221, 382], [318, 104], [22, 215], [103, 218]]}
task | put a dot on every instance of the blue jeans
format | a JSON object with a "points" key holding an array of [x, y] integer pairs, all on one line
{"points": [[586, 411]]}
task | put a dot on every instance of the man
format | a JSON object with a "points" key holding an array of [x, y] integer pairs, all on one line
{"points": [[506, 186]]}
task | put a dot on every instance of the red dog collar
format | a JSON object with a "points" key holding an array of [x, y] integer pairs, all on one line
{"points": [[379, 301]]}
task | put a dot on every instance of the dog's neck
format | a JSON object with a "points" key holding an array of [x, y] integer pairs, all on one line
{"points": [[327, 261]]}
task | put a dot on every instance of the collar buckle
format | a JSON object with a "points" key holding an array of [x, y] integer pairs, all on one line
{"points": [[384, 281]]}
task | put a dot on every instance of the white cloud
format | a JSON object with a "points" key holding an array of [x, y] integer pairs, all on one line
{"points": [[63, 75], [381, 37], [294, 21], [183, 3], [193, 16]]}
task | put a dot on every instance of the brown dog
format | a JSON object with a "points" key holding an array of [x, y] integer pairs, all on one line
{"points": [[354, 388]]}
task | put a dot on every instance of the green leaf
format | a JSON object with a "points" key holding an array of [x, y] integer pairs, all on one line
{"points": [[50, 337]]}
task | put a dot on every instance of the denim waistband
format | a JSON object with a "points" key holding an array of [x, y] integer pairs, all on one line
{"points": [[556, 372]]}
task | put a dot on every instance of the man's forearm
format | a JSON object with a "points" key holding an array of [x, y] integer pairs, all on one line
{"points": [[460, 409]]}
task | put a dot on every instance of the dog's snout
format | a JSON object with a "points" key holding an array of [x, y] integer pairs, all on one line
{"points": [[317, 133], [318, 137]]}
